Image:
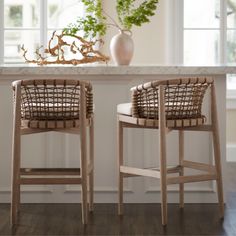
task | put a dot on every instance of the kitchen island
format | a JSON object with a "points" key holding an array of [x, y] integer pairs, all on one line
{"points": [[111, 86]]}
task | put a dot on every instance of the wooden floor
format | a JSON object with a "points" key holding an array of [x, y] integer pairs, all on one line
{"points": [[138, 219]]}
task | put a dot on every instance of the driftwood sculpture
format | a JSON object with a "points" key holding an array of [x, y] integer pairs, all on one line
{"points": [[56, 54]]}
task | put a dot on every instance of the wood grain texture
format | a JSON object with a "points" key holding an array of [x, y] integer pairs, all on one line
{"points": [[91, 165], [16, 151], [162, 154], [181, 173], [140, 171], [217, 152], [120, 163], [83, 155], [139, 219]]}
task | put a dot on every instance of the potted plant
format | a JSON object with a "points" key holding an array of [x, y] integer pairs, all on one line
{"points": [[96, 22]]}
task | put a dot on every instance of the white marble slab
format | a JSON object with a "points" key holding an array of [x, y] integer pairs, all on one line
{"points": [[25, 69]]}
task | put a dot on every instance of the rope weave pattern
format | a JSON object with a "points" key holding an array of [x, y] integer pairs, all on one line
{"points": [[56, 100], [183, 98]]}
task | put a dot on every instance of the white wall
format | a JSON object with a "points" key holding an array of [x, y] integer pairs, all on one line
{"points": [[149, 39], [231, 135], [231, 126]]}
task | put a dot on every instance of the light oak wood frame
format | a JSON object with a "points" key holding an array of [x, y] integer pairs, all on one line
{"points": [[31, 176], [212, 172]]}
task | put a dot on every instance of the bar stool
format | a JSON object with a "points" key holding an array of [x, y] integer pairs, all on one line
{"points": [[171, 105], [53, 105]]}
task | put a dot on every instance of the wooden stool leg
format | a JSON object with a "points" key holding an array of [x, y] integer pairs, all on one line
{"points": [[216, 144], [18, 197], [15, 198], [181, 173], [218, 172], [15, 195], [83, 156], [120, 162], [91, 175], [162, 140], [84, 180]]}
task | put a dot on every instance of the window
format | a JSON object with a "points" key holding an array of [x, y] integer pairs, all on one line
{"points": [[231, 42], [209, 38], [201, 32], [209, 34], [31, 23], [209, 31]]}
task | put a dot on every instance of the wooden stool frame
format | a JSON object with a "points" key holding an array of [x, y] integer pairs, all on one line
{"points": [[73, 125], [190, 123]]}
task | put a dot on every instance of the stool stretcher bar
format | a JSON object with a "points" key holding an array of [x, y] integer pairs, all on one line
{"points": [[29, 181]]}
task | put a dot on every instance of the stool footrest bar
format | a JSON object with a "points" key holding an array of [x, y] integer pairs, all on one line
{"points": [[140, 172], [50, 171], [199, 166], [190, 178], [29, 181]]}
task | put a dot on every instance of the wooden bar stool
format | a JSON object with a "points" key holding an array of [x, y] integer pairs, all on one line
{"points": [[171, 105], [53, 105]]}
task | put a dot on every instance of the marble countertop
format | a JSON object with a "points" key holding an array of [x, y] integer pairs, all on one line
{"points": [[25, 69]]}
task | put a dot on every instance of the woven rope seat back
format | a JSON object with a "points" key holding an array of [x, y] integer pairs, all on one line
{"points": [[53, 103], [183, 99]]}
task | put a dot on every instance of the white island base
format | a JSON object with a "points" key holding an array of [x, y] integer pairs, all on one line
{"points": [[111, 86]]}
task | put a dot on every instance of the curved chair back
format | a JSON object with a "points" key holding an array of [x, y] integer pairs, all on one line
{"points": [[183, 98], [53, 100]]}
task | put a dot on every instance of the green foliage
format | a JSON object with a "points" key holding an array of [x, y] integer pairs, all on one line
{"points": [[14, 16], [130, 15], [90, 26], [94, 22]]}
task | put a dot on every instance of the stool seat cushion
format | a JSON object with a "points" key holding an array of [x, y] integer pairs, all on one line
{"points": [[125, 109]]}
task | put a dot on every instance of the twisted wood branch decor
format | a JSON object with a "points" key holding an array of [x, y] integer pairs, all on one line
{"points": [[85, 48], [183, 98]]}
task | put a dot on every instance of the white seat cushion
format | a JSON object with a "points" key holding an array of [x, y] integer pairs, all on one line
{"points": [[125, 109]]}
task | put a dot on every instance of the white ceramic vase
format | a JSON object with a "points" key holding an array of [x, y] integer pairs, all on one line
{"points": [[122, 48]]}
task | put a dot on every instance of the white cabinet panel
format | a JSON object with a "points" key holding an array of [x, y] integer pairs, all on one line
{"points": [[141, 147]]}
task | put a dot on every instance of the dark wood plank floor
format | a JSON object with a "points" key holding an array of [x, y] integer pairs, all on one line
{"points": [[138, 219]]}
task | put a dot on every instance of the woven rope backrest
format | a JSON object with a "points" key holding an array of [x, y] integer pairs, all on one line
{"points": [[183, 98], [54, 99]]}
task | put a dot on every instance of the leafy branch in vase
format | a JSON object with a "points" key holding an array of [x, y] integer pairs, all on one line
{"points": [[96, 21]]}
